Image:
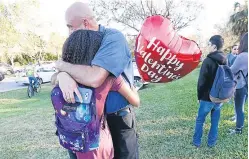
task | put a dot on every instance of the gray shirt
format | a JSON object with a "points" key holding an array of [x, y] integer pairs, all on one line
{"points": [[240, 63]]}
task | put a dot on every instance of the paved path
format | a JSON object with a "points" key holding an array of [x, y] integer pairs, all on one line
{"points": [[9, 84]]}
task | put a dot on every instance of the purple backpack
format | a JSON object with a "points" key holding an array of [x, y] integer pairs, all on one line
{"points": [[78, 130]]}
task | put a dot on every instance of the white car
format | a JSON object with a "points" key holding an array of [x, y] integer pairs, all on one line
{"points": [[1, 76], [44, 76], [138, 81], [48, 65]]}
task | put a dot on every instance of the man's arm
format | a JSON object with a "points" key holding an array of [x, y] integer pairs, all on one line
{"points": [[91, 76], [111, 58]]}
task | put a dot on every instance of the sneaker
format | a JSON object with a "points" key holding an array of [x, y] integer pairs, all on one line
{"points": [[196, 145], [233, 118], [235, 131], [234, 121], [211, 145]]}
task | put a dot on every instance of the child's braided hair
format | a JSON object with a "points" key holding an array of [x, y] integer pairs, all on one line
{"points": [[81, 47]]}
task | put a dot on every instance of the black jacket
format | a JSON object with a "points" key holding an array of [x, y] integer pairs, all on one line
{"points": [[208, 72]]}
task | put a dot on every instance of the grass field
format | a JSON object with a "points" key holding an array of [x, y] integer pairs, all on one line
{"points": [[165, 123]]}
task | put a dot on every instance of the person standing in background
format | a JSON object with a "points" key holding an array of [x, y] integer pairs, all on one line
{"points": [[240, 71], [232, 56]]}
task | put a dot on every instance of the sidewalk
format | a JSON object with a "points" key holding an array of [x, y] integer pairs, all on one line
{"points": [[9, 84]]}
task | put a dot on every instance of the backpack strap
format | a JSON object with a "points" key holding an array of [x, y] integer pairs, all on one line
{"points": [[126, 78], [243, 75], [214, 61]]}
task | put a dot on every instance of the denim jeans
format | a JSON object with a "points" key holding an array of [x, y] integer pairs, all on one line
{"points": [[31, 79], [239, 102], [204, 109]]}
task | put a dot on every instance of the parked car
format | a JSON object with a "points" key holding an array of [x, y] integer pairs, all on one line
{"points": [[48, 65], [1, 76], [44, 76], [6, 69], [19, 71], [138, 81]]}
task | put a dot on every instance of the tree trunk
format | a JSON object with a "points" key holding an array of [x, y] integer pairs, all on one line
{"points": [[58, 54], [12, 61]]}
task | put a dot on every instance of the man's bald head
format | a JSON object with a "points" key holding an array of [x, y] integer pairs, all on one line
{"points": [[80, 16]]}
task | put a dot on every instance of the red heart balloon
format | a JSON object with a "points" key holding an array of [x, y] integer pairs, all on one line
{"points": [[161, 54]]}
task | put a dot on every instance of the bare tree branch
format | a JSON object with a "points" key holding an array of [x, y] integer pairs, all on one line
{"points": [[132, 13], [149, 7], [142, 5]]}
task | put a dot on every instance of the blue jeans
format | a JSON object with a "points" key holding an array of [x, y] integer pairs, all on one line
{"points": [[31, 79], [239, 102], [204, 109]]}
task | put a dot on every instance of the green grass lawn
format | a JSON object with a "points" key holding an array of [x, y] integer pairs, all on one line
{"points": [[165, 123]]}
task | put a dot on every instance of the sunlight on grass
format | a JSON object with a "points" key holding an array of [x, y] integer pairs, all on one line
{"points": [[165, 124], [15, 101]]}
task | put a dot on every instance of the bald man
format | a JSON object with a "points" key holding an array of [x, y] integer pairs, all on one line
{"points": [[112, 59]]}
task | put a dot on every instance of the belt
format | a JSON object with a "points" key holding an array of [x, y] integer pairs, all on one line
{"points": [[121, 112]]}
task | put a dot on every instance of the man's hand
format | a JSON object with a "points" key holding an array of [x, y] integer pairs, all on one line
{"points": [[61, 65], [68, 87]]}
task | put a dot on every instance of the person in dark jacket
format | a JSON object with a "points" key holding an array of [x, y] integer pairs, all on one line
{"points": [[205, 82]]}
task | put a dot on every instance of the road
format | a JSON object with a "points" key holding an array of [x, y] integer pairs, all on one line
{"points": [[9, 84]]}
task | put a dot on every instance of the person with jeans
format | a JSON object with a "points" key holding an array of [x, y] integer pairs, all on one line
{"points": [[230, 60], [205, 82], [240, 70], [112, 58], [31, 73]]}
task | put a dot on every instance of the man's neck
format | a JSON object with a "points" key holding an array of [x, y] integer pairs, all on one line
{"points": [[95, 27]]}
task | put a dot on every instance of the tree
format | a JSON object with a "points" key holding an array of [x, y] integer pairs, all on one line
{"points": [[33, 46], [9, 36], [55, 44], [234, 27], [11, 15], [132, 13], [229, 38], [239, 20]]}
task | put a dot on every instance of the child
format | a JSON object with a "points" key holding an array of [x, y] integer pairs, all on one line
{"points": [[80, 48], [205, 82], [240, 70]]}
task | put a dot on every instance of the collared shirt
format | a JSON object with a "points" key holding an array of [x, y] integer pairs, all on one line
{"points": [[115, 57]]}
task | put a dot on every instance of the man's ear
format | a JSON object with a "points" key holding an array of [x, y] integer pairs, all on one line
{"points": [[86, 23]]}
